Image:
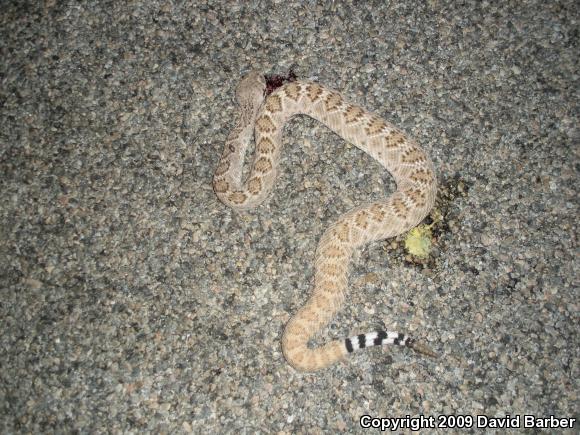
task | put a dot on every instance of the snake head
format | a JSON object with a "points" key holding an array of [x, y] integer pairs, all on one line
{"points": [[250, 91]]}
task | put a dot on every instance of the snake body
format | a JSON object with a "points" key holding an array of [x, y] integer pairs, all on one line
{"points": [[264, 118]]}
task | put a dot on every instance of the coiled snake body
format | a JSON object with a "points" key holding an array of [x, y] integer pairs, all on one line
{"points": [[264, 118]]}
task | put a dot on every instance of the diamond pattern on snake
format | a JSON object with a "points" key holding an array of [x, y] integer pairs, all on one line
{"points": [[263, 117]]}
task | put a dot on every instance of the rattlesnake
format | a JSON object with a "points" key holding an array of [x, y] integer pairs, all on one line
{"points": [[265, 117]]}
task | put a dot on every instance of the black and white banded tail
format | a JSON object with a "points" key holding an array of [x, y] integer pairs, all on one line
{"points": [[379, 338]]}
